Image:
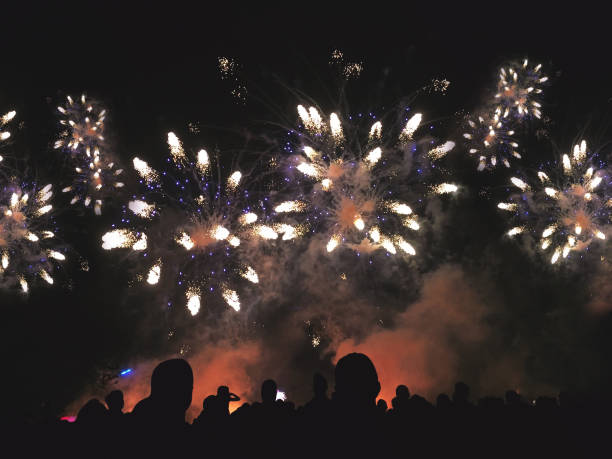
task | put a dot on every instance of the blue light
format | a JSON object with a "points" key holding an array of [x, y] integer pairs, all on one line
{"points": [[126, 372]]}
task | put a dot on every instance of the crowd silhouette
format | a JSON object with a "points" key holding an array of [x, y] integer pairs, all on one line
{"points": [[349, 423]]}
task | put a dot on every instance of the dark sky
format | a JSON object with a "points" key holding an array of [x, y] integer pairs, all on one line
{"points": [[155, 67]]}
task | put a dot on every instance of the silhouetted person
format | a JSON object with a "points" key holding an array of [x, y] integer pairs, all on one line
{"points": [[401, 401], [92, 415], [171, 392], [269, 390], [114, 401], [461, 396], [443, 402], [320, 403], [381, 405], [224, 397], [357, 384], [209, 411]]}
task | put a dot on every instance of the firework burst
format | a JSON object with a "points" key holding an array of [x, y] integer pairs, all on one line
{"points": [[489, 138], [519, 89], [27, 245], [191, 229], [358, 185], [566, 209], [96, 178]]}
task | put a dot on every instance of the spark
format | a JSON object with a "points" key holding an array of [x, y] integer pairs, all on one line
{"points": [[203, 161], [118, 238], [45, 275], [141, 208], [411, 126], [266, 232], [405, 246], [234, 180], [185, 240], [231, 298], [308, 169], [146, 172], [7, 117], [333, 243], [248, 218], [193, 301], [507, 206], [445, 188], [441, 150], [250, 275], [336, 127], [176, 147], [290, 206], [400, 208], [376, 130], [517, 182], [374, 156], [154, 273], [220, 233], [57, 255], [412, 224]]}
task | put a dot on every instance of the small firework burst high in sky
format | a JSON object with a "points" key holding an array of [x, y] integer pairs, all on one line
{"points": [[95, 175], [519, 89], [27, 246], [489, 137], [567, 208], [357, 191], [192, 230]]}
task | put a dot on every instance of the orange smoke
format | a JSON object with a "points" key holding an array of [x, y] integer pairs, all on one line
{"points": [[423, 351]]}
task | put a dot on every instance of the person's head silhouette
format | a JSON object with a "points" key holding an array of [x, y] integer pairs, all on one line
{"points": [[319, 385], [172, 386], [443, 401], [512, 397], [92, 413], [268, 391], [114, 401], [402, 392], [357, 384], [461, 394], [382, 405]]}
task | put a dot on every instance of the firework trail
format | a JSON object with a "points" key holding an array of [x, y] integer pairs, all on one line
{"points": [[489, 138], [230, 71], [96, 178], [519, 89], [5, 134], [567, 208], [356, 195], [348, 70], [27, 246], [191, 229]]}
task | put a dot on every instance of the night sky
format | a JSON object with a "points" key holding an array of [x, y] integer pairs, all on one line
{"points": [[490, 312]]}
